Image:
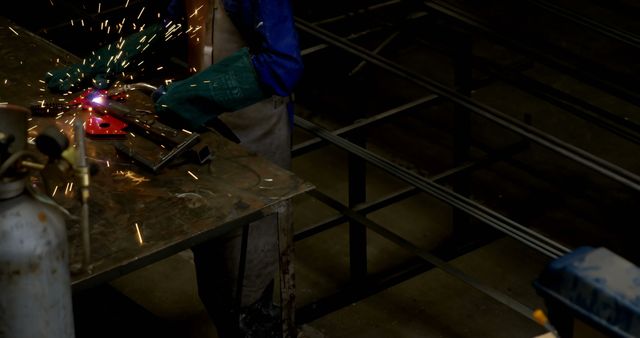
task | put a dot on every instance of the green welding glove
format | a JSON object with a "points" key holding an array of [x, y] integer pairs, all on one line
{"points": [[225, 86], [101, 67]]}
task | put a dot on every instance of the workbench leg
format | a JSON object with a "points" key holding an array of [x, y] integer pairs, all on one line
{"points": [[241, 269], [287, 276]]}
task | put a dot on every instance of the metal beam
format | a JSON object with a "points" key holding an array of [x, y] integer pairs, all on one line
{"points": [[458, 15], [426, 255], [623, 36], [482, 213], [382, 202], [316, 142], [583, 157], [602, 118]]}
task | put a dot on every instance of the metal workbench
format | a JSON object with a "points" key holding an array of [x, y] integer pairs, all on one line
{"points": [[136, 217]]}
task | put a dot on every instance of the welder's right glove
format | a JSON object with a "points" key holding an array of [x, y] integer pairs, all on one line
{"points": [[225, 86], [102, 66]]}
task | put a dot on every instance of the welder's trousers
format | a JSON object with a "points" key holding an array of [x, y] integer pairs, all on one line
{"points": [[263, 128]]}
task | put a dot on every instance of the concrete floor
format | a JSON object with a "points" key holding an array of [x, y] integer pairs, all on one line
{"points": [[431, 305], [161, 300]]}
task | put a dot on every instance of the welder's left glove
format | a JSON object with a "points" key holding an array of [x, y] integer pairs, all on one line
{"points": [[225, 86], [101, 67]]}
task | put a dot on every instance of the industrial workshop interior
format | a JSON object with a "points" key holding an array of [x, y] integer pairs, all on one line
{"points": [[474, 165]]}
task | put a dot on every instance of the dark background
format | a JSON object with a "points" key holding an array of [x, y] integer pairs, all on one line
{"points": [[538, 188]]}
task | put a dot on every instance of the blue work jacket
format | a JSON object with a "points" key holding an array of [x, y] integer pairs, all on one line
{"points": [[268, 28]]}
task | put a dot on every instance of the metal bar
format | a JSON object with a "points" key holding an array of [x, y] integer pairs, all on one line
{"points": [[615, 124], [319, 227], [353, 293], [585, 158], [383, 280], [622, 7], [552, 181], [360, 11], [314, 143], [463, 73], [482, 213], [623, 36], [378, 49], [357, 182], [366, 208], [313, 49], [353, 36], [427, 256], [596, 80]]}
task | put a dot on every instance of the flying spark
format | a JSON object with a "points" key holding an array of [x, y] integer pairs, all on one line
{"points": [[139, 234], [14, 32], [196, 11], [192, 175], [139, 15]]}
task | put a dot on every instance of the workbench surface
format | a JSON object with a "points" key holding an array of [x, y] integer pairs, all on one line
{"points": [[138, 217]]}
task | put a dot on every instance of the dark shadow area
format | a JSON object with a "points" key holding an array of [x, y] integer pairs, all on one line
{"points": [[104, 312]]}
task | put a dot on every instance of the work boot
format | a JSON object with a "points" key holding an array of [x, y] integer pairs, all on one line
{"points": [[261, 319], [261, 322]]}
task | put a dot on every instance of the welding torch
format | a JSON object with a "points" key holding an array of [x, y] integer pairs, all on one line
{"points": [[82, 172]]}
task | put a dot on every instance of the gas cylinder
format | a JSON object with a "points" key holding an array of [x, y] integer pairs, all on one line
{"points": [[35, 286]]}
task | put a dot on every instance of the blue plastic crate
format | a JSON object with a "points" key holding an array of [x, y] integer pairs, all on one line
{"points": [[598, 287]]}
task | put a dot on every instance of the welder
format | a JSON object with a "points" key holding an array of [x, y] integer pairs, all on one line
{"points": [[256, 64]]}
